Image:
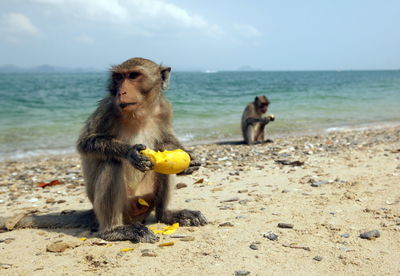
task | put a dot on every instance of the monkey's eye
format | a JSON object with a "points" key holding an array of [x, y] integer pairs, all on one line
{"points": [[118, 76], [133, 75]]}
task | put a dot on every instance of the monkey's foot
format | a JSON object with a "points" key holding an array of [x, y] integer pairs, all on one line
{"points": [[135, 233], [185, 218]]}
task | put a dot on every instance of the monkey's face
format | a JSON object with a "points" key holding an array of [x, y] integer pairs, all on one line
{"points": [[128, 92], [263, 108]]}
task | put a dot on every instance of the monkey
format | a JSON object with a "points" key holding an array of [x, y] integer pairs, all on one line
{"points": [[253, 123], [134, 114]]}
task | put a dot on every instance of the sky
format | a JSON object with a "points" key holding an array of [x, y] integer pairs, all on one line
{"points": [[203, 35]]}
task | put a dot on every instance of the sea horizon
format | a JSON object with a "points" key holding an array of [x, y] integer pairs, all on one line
{"points": [[42, 113]]}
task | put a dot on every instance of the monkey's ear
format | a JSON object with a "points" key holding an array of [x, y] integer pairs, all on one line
{"points": [[256, 99], [165, 74]]}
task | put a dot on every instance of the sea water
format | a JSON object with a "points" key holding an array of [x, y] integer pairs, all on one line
{"points": [[42, 113]]}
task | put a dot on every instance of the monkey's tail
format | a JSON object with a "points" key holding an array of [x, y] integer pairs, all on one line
{"points": [[65, 219]]}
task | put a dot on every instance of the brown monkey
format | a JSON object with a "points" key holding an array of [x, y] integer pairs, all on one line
{"points": [[134, 115], [253, 123]]}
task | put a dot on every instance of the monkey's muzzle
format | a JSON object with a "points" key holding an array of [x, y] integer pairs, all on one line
{"points": [[123, 105]]}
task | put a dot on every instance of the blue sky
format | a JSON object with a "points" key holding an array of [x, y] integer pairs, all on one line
{"points": [[214, 35]]}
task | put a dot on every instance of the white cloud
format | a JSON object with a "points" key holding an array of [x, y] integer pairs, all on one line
{"points": [[16, 26], [150, 14], [246, 30]]}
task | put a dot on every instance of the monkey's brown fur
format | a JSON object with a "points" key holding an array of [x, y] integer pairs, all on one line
{"points": [[252, 122], [134, 115]]}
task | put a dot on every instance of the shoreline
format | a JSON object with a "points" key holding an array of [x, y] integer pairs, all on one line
{"points": [[341, 184], [232, 139]]}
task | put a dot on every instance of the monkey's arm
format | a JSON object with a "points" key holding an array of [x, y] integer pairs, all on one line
{"points": [[253, 120], [109, 147]]}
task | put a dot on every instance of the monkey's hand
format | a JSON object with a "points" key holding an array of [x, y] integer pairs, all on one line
{"points": [[271, 117], [137, 160], [193, 166], [265, 121]]}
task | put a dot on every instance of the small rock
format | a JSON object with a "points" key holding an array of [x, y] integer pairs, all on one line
{"points": [[50, 200], [241, 272], [188, 238], [7, 241], [242, 191], [148, 253], [370, 235], [285, 225], [178, 236], [5, 266], [58, 247], [271, 236], [181, 185], [319, 183], [254, 246], [318, 258], [345, 235], [226, 224], [230, 200]]}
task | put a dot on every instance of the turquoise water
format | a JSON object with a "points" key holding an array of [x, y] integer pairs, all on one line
{"points": [[42, 113]]}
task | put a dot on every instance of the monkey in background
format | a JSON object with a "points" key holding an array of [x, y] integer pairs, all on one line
{"points": [[253, 123]]}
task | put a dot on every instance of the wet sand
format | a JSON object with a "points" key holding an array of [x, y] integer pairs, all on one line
{"points": [[329, 188]]}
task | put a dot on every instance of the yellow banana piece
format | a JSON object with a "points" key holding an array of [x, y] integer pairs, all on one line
{"points": [[168, 161]]}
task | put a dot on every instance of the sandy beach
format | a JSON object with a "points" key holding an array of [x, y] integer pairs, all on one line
{"points": [[323, 191]]}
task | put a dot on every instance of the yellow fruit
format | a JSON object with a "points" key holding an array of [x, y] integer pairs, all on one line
{"points": [[271, 116], [168, 162]]}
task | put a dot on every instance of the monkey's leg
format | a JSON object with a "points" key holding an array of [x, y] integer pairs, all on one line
{"points": [[250, 139], [260, 134], [184, 217], [109, 202]]}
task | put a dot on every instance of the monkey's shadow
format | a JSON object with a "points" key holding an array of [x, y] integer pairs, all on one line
{"points": [[241, 142], [75, 223]]}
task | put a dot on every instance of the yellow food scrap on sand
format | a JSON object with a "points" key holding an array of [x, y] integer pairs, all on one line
{"points": [[83, 239], [168, 161], [167, 230], [127, 249], [166, 244], [143, 202]]}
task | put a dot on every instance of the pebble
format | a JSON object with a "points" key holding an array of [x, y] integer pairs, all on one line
{"points": [[226, 224], [254, 246], [181, 185], [5, 266], [345, 235], [58, 247], [148, 253], [285, 225], [318, 258], [230, 200], [178, 236], [271, 236], [370, 235], [188, 238], [241, 272], [319, 183], [7, 241]]}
